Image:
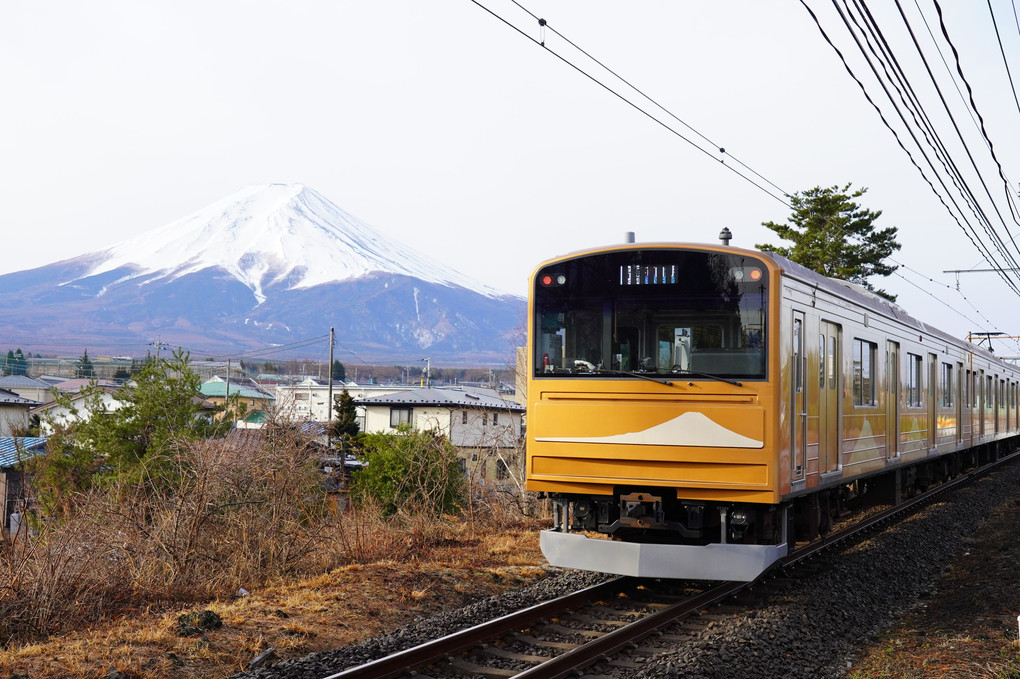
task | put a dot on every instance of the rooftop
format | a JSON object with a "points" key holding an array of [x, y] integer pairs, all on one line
{"points": [[10, 398], [14, 449], [452, 397], [23, 382]]}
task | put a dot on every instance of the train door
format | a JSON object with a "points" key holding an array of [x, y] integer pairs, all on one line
{"points": [[828, 397], [959, 402], [981, 401], [933, 404], [997, 385], [798, 402], [892, 411]]}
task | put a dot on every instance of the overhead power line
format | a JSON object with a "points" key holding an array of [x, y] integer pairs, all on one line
{"points": [[959, 215]]}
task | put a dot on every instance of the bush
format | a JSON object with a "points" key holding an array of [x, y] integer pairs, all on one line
{"points": [[410, 472]]}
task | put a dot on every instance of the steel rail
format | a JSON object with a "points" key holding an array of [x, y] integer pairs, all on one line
{"points": [[568, 663], [402, 662]]}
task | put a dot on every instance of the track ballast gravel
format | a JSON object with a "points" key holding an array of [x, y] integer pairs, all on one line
{"points": [[809, 628]]}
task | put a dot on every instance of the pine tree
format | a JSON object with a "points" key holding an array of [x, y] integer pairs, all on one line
{"points": [[20, 366], [337, 371], [344, 426], [836, 237], [83, 366]]}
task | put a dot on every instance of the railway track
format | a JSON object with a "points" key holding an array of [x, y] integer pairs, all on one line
{"points": [[596, 627]]}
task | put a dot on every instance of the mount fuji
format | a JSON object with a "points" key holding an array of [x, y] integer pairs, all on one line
{"points": [[269, 265]]}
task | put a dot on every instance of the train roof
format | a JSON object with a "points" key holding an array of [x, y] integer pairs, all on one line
{"points": [[871, 301]]}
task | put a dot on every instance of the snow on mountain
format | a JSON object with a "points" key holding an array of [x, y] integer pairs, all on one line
{"points": [[272, 234]]}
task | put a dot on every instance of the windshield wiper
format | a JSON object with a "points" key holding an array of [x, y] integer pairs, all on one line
{"points": [[644, 376], [682, 371]]}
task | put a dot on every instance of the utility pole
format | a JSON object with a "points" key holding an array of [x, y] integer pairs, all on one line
{"points": [[226, 393], [428, 372], [158, 344], [329, 405]]}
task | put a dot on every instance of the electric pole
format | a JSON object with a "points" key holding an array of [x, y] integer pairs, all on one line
{"points": [[329, 414]]}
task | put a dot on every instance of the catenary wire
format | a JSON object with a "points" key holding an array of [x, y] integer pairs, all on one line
{"points": [[544, 24]]}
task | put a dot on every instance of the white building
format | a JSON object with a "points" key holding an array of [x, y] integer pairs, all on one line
{"points": [[308, 400], [14, 412], [486, 429], [27, 387], [82, 407]]}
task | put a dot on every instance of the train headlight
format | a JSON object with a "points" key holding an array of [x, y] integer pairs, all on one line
{"points": [[746, 273], [740, 517]]}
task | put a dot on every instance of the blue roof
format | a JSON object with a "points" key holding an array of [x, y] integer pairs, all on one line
{"points": [[14, 449]]}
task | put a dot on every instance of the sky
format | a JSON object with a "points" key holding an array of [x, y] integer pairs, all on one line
{"points": [[466, 139]]}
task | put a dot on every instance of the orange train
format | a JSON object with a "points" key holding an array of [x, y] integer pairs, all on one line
{"points": [[695, 410]]}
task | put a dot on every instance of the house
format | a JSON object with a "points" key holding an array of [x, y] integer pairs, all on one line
{"points": [[486, 429], [28, 387], [79, 384], [254, 400], [84, 404], [308, 400], [14, 412], [13, 499]]}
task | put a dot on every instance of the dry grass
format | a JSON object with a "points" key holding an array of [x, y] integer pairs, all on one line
{"points": [[101, 585], [344, 606]]}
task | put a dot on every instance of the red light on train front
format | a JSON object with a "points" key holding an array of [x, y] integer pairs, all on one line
{"points": [[746, 273], [547, 280]]}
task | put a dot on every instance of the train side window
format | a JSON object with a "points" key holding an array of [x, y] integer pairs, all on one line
{"points": [[798, 377], [947, 385], [830, 362], [864, 372], [915, 380], [821, 361]]}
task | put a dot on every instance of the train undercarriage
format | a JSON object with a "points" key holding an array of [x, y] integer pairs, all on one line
{"points": [[650, 532]]}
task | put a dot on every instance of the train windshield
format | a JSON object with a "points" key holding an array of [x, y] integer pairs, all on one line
{"points": [[652, 312]]}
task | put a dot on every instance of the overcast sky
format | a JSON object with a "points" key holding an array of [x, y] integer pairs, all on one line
{"points": [[450, 131]]}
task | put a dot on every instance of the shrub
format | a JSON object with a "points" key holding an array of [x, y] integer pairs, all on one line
{"points": [[409, 472]]}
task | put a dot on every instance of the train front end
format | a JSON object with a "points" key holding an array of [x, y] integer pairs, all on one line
{"points": [[652, 410]]}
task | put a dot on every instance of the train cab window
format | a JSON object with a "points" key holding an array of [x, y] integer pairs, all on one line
{"points": [[915, 380], [947, 385], [864, 372], [652, 311]]}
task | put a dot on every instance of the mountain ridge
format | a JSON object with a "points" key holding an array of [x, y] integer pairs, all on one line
{"points": [[270, 264]]}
